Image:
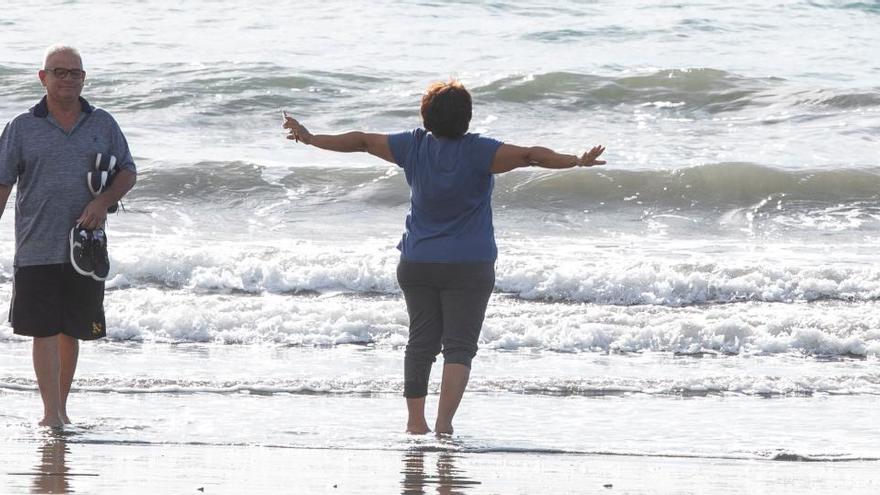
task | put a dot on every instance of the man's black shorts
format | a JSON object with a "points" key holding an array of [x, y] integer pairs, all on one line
{"points": [[52, 299]]}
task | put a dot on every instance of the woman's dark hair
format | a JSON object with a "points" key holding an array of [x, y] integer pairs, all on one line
{"points": [[446, 109]]}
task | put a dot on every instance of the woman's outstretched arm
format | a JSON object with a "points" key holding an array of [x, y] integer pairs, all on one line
{"points": [[509, 157], [349, 142]]}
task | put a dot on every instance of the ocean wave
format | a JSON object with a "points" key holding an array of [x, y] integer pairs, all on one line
{"points": [[837, 99], [709, 90], [684, 91], [868, 7], [655, 283], [828, 330], [312, 268], [719, 186], [234, 183], [206, 96], [612, 271], [711, 186], [196, 90], [576, 35], [13, 70]]}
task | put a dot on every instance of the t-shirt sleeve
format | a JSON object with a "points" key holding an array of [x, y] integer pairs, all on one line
{"points": [[10, 155], [484, 150], [400, 145], [120, 149]]}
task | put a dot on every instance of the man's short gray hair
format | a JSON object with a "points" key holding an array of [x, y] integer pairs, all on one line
{"points": [[60, 48]]}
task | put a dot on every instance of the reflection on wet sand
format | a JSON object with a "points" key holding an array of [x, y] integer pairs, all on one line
{"points": [[448, 480], [51, 472]]}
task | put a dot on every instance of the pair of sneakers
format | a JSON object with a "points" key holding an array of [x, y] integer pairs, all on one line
{"points": [[88, 252], [88, 248]]}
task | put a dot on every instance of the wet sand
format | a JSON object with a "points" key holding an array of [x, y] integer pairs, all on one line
{"points": [[56, 464]]}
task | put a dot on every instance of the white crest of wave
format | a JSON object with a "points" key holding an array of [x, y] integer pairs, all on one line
{"points": [[617, 278], [830, 328]]}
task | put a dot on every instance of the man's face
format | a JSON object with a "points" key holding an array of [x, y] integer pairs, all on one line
{"points": [[63, 76]]}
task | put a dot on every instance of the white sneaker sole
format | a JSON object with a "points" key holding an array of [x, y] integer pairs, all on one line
{"points": [[72, 262]]}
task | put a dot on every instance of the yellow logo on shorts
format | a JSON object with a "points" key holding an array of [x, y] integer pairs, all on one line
{"points": [[96, 328]]}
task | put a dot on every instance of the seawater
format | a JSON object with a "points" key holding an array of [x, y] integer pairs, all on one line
{"points": [[712, 290]]}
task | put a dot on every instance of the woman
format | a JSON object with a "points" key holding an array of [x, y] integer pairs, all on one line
{"points": [[447, 261]]}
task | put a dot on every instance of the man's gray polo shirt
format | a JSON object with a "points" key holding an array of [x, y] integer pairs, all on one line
{"points": [[50, 166]]}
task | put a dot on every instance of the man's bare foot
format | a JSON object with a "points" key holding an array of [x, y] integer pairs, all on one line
{"points": [[65, 419], [51, 421], [418, 429]]}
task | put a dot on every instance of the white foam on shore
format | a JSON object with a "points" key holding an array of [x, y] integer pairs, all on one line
{"points": [[692, 386], [829, 328], [618, 278], [621, 277]]}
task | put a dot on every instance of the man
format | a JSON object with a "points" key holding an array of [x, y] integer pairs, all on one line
{"points": [[48, 151]]}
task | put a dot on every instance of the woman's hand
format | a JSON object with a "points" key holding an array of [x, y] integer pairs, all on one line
{"points": [[588, 159], [298, 132]]}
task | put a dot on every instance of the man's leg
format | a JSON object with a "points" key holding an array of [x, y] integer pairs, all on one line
{"points": [[47, 367], [68, 353], [82, 302]]}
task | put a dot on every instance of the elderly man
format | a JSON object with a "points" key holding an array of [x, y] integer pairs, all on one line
{"points": [[49, 151]]}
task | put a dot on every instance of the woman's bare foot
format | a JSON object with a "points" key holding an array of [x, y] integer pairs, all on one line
{"points": [[444, 429], [415, 416]]}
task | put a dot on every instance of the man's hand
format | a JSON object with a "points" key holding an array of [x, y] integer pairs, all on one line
{"points": [[298, 132], [94, 215], [589, 158]]}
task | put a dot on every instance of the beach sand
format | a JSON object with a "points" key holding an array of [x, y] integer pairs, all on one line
{"points": [[58, 465]]}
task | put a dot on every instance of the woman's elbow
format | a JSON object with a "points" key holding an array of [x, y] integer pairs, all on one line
{"points": [[361, 141], [531, 156]]}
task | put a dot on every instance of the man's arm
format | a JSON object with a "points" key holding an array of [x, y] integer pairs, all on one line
{"points": [[95, 212], [349, 142], [10, 159], [4, 197], [509, 157]]}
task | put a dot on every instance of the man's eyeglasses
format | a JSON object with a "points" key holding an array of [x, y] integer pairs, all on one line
{"points": [[62, 73]]}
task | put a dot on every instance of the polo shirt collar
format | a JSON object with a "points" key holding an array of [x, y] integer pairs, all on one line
{"points": [[41, 109]]}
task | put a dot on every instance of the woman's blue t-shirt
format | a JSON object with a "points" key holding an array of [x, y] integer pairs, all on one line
{"points": [[450, 216]]}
